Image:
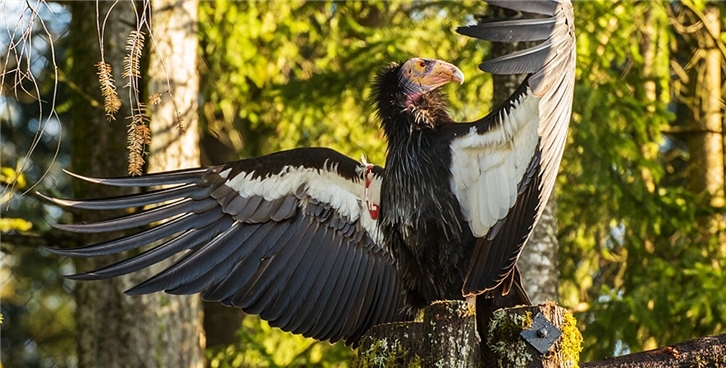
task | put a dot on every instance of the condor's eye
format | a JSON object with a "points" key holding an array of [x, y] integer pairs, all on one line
{"points": [[422, 64]]}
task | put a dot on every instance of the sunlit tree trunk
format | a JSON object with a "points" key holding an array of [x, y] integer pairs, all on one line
{"points": [[703, 118], [115, 330], [538, 262], [174, 83], [706, 169]]}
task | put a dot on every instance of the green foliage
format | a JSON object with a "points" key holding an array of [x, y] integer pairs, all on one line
{"points": [[288, 74], [37, 310], [38, 324], [260, 345], [630, 258]]}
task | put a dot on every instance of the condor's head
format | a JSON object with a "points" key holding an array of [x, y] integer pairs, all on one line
{"points": [[407, 94]]}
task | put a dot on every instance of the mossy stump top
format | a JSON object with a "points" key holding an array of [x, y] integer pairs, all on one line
{"points": [[512, 350], [445, 338]]}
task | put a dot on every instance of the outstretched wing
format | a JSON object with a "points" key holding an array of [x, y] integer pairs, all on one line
{"points": [[287, 236], [504, 165]]}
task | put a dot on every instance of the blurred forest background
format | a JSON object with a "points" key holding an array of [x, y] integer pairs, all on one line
{"points": [[640, 196]]}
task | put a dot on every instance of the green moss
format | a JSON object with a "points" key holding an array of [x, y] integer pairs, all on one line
{"points": [[503, 337], [384, 354], [571, 340], [527, 321], [454, 307], [469, 310]]}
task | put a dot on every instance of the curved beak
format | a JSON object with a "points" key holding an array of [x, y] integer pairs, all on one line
{"points": [[442, 73]]}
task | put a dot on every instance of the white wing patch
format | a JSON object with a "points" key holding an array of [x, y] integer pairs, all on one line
{"points": [[325, 185], [487, 168]]}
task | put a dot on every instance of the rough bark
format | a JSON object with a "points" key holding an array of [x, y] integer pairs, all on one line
{"points": [[513, 350], [173, 75], [174, 78], [699, 109], [706, 164], [111, 328], [538, 262], [445, 338], [115, 330], [703, 352]]}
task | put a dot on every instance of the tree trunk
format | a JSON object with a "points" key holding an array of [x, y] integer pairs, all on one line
{"points": [[115, 330], [174, 78], [527, 336], [538, 261], [539, 336], [703, 120], [447, 337], [706, 167], [704, 352], [174, 83]]}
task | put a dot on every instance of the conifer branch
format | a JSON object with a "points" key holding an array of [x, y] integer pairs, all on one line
{"points": [[138, 137], [138, 132], [132, 60], [111, 101]]}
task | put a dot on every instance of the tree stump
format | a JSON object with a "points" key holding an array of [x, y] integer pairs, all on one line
{"points": [[390, 345], [451, 336], [447, 337], [542, 335]]}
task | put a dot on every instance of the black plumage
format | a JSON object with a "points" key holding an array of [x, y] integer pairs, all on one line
{"points": [[325, 246]]}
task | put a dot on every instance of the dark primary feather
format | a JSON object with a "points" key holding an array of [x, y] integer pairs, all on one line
{"points": [[520, 62], [515, 30], [190, 176], [289, 235], [553, 58], [544, 7]]}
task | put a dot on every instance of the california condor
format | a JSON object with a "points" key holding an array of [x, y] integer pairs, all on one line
{"points": [[325, 246]]}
